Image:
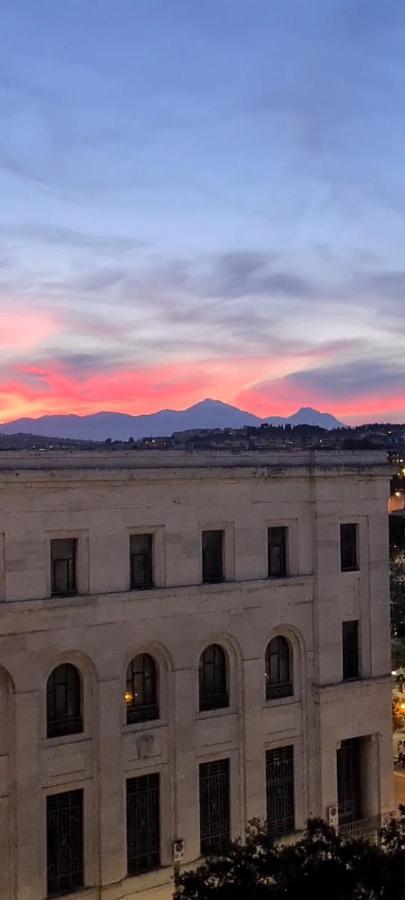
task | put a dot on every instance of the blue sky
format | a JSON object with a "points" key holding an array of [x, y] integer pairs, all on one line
{"points": [[202, 199]]}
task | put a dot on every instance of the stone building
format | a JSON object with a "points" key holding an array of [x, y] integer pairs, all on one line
{"points": [[186, 642]]}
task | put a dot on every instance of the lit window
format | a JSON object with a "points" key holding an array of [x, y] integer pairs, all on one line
{"points": [[141, 690]]}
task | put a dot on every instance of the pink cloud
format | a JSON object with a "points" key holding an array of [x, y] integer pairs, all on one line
{"points": [[251, 383], [22, 331]]}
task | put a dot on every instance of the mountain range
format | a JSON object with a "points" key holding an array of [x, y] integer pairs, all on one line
{"points": [[121, 426]]}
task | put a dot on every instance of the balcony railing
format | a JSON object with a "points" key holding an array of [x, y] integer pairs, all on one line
{"points": [[279, 690], [362, 829]]}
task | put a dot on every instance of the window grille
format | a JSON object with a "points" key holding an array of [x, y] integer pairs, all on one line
{"points": [[63, 566], [141, 560], [212, 556], [280, 790], [64, 701], [277, 552], [143, 824], [349, 784], [141, 690], [350, 648], [214, 807], [278, 669], [65, 842], [213, 678], [348, 547]]}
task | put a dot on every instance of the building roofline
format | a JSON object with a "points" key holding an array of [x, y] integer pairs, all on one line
{"points": [[115, 464]]}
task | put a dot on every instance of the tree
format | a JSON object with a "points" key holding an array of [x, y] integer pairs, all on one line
{"points": [[397, 591], [322, 865]]}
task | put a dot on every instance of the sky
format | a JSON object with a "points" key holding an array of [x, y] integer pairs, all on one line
{"points": [[202, 198]]}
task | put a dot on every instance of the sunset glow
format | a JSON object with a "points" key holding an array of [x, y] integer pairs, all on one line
{"points": [[172, 230]]}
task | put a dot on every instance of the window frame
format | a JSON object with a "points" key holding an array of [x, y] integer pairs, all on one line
{"points": [[72, 578], [150, 581], [74, 724], [145, 712], [283, 569], [351, 650], [286, 823], [219, 577], [149, 786], [217, 699], [349, 781], [214, 775], [279, 689], [352, 567], [75, 879]]}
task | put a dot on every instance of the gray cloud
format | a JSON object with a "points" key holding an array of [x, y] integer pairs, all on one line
{"points": [[59, 236], [251, 274], [358, 378], [389, 285]]}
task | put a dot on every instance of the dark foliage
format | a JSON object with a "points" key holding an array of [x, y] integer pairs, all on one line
{"points": [[322, 865]]}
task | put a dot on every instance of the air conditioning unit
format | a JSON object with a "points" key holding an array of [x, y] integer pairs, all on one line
{"points": [[178, 851], [333, 816]]}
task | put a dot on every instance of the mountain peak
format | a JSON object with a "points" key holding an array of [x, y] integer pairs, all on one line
{"points": [[209, 402], [306, 415], [208, 413]]}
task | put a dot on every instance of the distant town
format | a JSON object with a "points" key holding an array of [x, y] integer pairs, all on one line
{"points": [[390, 437]]}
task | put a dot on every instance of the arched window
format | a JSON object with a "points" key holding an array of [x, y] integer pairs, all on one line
{"points": [[64, 705], [141, 690], [213, 678], [279, 676]]}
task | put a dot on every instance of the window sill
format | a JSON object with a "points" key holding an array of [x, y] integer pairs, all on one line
{"points": [[192, 590], [350, 571], [213, 713], [280, 701], [362, 681], [141, 587], [131, 727], [213, 581], [63, 740]]}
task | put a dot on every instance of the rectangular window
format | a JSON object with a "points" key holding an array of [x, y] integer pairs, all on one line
{"points": [[348, 778], [348, 547], [143, 824], [277, 552], [141, 560], [350, 647], [280, 790], [63, 566], [64, 814], [212, 556], [214, 807]]}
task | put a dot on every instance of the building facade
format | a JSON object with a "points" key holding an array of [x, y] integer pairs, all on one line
{"points": [[186, 642]]}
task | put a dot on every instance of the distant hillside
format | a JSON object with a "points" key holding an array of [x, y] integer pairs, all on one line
{"points": [[307, 416], [121, 426]]}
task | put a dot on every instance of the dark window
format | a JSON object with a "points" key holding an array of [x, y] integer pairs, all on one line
{"points": [[280, 790], [64, 713], [348, 547], [279, 681], [143, 824], [212, 556], [350, 646], [141, 690], [141, 560], [214, 807], [213, 678], [64, 842], [63, 566], [277, 552], [348, 778]]}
